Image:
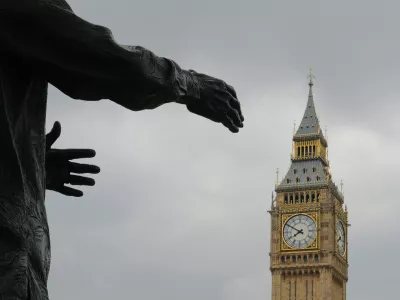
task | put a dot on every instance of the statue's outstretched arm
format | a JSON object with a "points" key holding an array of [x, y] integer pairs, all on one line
{"points": [[83, 61]]}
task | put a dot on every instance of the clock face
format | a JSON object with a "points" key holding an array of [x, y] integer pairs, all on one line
{"points": [[341, 238], [299, 231]]}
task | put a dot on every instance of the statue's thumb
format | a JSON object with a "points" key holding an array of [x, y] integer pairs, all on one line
{"points": [[53, 135]]}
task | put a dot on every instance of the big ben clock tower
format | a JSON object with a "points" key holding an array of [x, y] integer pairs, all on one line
{"points": [[309, 252]]}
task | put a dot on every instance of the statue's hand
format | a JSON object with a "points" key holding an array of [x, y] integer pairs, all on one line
{"points": [[218, 102], [59, 167]]}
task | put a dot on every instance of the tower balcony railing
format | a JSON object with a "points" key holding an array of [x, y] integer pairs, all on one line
{"points": [[308, 156]]}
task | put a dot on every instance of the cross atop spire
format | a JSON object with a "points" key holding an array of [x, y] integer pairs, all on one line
{"points": [[311, 77]]}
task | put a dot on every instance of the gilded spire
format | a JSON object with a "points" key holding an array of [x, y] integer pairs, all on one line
{"points": [[309, 124]]}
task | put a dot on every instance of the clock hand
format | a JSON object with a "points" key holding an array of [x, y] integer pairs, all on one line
{"points": [[299, 231], [294, 228]]}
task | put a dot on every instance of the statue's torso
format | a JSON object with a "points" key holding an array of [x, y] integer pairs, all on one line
{"points": [[24, 233]]}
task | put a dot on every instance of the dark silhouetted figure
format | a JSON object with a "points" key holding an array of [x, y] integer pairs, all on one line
{"points": [[41, 42]]}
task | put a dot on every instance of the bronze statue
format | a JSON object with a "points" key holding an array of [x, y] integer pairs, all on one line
{"points": [[41, 42]]}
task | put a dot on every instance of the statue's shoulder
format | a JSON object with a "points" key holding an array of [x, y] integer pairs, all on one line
{"points": [[19, 5]]}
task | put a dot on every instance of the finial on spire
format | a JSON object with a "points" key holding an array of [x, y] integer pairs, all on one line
{"points": [[277, 176], [311, 77], [273, 201], [341, 186]]}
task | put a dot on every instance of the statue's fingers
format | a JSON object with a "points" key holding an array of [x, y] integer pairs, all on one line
{"points": [[228, 123], [67, 191], [77, 153], [53, 135], [205, 112], [236, 105], [83, 168], [231, 90], [80, 180], [234, 116], [234, 101]]}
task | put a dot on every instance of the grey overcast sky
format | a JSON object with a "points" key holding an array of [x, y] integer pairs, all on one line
{"points": [[179, 209]]}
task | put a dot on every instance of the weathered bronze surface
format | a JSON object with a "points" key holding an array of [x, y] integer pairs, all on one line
{"points": [[42, 42]]}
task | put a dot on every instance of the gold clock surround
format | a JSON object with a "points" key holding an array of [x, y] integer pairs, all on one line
{"points": [[339, 220], [313, 246]]}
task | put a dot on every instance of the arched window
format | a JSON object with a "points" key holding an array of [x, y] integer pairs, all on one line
{"points": [[304, 170], [297, 179], [308, 179], [302, 198], [295, 171], [298, 151], [314, 169], [307, 197], [296, 198], [286, 199]]}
